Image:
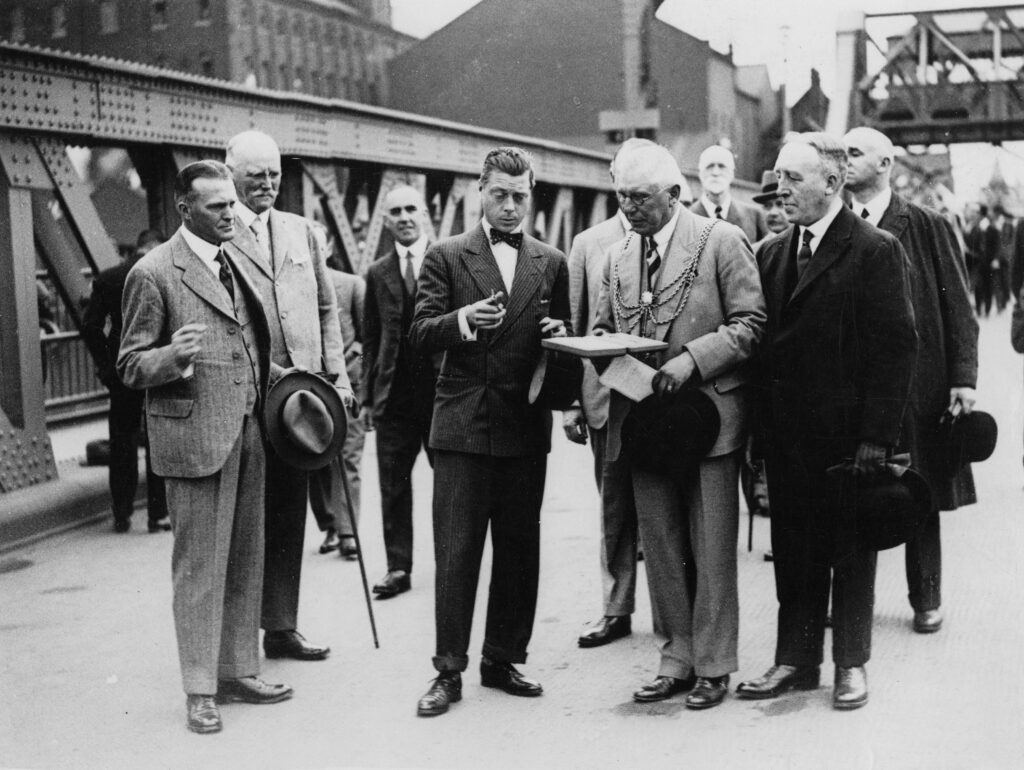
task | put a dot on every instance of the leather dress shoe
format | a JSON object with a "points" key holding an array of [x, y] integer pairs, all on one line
{"points": [[347, 549], [607, 629], [444, 690], [203, 714], [663, 688], [779, 679], [122, 525], [159, 525], [292, 644], [392, 584], [504, 676], [928, 622], [708, 692], [851, 688], [331, 542], [251, 689]]}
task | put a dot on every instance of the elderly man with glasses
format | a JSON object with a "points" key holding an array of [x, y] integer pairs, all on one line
{"points": [[690, 281]]}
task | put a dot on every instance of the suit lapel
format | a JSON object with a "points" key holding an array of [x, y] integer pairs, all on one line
{"points": [[833, 246], [481, 264], [201, 280], [777, 266], [895, 219], [625, 268], [681, 247], [248, 248], [393, 278], [278, 240], [530, 264]]}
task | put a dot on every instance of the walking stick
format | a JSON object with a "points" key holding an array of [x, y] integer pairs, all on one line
{"points": [[359, 552]]}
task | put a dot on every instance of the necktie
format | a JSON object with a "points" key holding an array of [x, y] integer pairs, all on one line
{"points": [[718, 212], [225, 275], [259, 229], [410, 276], [514, 240], [864, 213], [653, 261], [804, 255]]}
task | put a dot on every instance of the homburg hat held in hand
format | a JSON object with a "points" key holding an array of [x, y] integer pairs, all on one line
{"points": [[671, 434], [967, 438], [305, 419]]}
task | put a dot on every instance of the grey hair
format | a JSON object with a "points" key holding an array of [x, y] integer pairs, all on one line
{"points": [[245, 142], [655, 163], [830, 150]]}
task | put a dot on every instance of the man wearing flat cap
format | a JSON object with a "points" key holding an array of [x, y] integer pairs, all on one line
{"points": [[689, 281]]}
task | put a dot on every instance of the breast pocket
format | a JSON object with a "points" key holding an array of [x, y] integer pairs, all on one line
{"points": [[171, 407]]}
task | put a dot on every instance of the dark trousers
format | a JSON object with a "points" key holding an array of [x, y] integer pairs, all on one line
{"points": [[123, 421], [983, 291], [923, 558], [399, 442], [470, 493], [287, 493], [814, 543]]}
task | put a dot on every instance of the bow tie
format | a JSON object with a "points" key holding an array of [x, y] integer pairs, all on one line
{"points": [[515, 240]]}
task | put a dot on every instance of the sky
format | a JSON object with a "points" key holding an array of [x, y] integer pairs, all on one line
{"points": [[759, 31]]}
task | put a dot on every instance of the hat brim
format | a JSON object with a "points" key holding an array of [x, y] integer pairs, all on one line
{"points": [[765, 197], [888, 524], [970, 438], [671, 435], [291, 381]]}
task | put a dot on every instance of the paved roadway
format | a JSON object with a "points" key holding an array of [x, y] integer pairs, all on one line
{"points": [[89, 676]]}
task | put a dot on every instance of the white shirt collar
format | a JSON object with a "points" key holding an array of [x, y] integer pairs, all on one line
{"points": [[664, 235], [418, 249], [710, 207], [247, 215], [875, 207], [819, 228], [203, 249]]}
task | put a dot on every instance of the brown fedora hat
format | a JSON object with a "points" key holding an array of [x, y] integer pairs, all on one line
{"points": [[305, 420], [671, 434], [769, 187]]}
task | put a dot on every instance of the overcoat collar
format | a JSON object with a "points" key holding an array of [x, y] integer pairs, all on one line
{"points": [[896, 218], [834, 245]]}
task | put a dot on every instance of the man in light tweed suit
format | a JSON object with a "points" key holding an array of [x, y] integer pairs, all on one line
{"points": [[195, 335], [490, 444]]}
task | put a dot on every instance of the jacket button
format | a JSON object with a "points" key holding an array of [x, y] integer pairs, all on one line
{"points": [[284, 314], [231, 330], [236, 355], [238, 380]]}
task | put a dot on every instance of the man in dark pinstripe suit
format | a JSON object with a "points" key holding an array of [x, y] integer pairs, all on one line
{"points": [[490, 444]]}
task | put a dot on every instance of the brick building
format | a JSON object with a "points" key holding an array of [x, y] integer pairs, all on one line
{"points": [[331, 48]]}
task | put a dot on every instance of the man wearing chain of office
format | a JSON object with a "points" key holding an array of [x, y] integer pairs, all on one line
{"points": [[692, 282]]}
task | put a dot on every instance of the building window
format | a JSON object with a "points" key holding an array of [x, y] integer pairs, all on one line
{"points": [[203, 11], [266, 80], [282, 77], [158, 14], [206, 65], [332, 85], [109, 23], [17, 33], [58, 21], [160, 60]]}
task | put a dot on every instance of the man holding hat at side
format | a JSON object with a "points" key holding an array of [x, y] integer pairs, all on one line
{"points": [[196, 337], [947, 358], [692, 282]]}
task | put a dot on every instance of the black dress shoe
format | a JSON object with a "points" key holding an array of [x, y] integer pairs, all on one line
{"points": [[159, 525], [928, 622], [779, 679], [444, 690], [607, 629], [330, 543], [851, 688], [708, 692], [392, 584], [347, 549], [663, 688], [504, 676], [251, 689], [203, 714], [292, 644], [122, 525]]}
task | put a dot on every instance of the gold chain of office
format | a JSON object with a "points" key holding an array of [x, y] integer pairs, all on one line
{"points": [[652, 301]]}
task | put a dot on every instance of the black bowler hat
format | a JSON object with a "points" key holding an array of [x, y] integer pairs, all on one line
{"points": [[967, 438], [769, 187], [305, 420], [891, 509], [556, 381], [670, 434]]}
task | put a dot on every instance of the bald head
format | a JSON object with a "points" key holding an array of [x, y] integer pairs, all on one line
{"points": [[404, 209], [255, 163], [870, 156], [716, 167]]}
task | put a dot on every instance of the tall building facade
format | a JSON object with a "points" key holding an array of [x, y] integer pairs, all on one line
{"points": [[323, 47]]}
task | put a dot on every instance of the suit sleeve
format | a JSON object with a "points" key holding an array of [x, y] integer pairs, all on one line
{"points": [[332, 347], [371, 331], [605, 314], [578, 293], [888, 341], [742, 300], [145, 358], [561, 306], [960, 328], [435, 326]]}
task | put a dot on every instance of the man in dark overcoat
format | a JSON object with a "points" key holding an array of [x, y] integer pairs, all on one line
{"points": [[490, 443], [947, 355], [837, 366]]}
